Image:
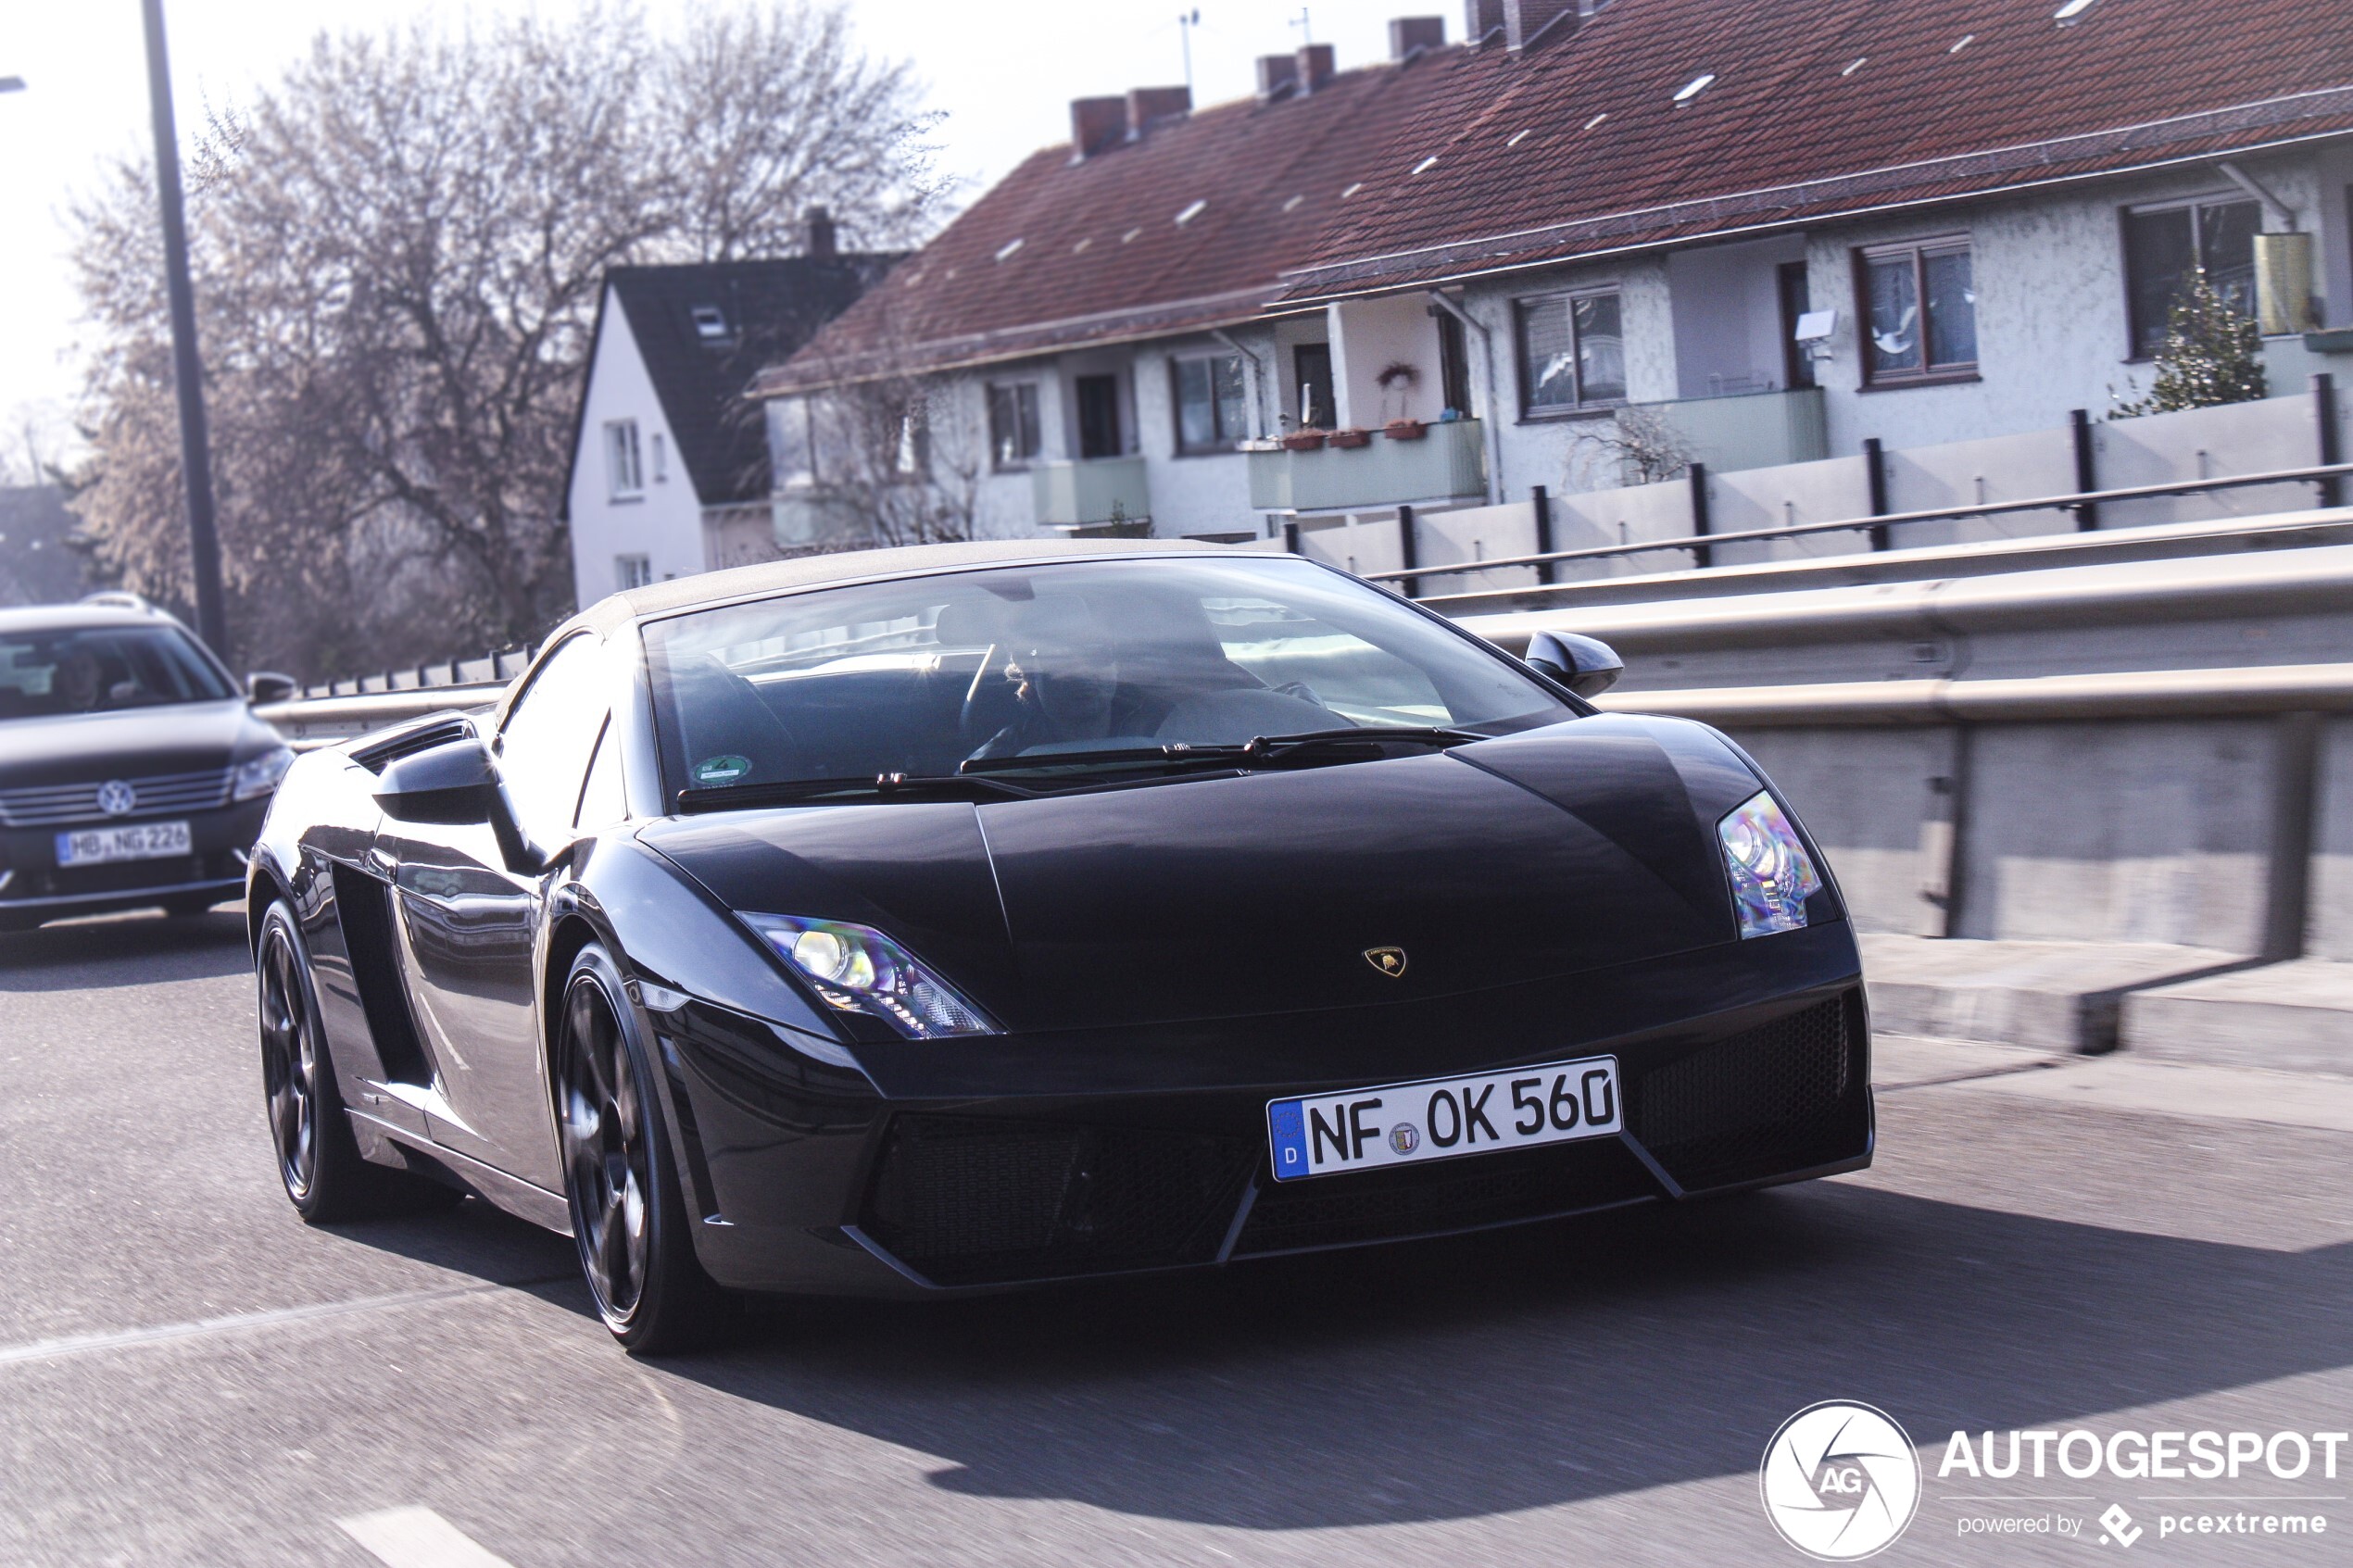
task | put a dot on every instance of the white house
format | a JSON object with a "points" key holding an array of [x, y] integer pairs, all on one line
{"points": [[670, 471], [1978, 210]]}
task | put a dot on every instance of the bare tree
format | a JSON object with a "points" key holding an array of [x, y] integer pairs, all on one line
{"points": [[1638, 445], [398, 248]]}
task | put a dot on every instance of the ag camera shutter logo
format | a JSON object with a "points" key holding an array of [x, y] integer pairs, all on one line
{"points": [[1840, 1480]]}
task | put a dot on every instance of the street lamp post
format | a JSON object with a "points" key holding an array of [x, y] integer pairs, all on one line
{"points": [[196, 452]]}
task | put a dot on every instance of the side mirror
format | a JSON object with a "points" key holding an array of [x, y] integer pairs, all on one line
{"points": [[268, 685], [456, 784], [453, 784], [1585, 665]]}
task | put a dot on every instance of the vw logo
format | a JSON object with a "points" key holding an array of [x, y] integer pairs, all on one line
{"points": [[117, 798], [1840, 1480]]}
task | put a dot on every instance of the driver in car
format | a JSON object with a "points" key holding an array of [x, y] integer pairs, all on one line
{"points": [[1065, 679]]}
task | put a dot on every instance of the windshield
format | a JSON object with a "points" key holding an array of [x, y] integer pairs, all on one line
{"points": [[921, 676], [101, 669]]}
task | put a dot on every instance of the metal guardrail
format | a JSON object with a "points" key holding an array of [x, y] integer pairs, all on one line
{"points": [[1700, 542], [308, 723], [2139, 694]]}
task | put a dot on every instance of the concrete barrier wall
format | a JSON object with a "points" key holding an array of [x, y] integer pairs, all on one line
{"points": [[2270, 434], [2332, 924], [2108, 832]]}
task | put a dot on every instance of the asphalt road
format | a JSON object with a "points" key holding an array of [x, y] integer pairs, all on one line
{"points": [[188, 1375]]}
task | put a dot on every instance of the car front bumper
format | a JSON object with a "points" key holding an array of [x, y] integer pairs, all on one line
{"points": [[33, 887], [1109, 1152]]}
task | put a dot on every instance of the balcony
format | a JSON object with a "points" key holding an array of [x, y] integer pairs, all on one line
{"points": [[1097, 490], [1449, 463], [1749, 429]]}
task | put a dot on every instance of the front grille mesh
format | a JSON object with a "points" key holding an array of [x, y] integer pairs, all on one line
{"points": [[972, 1200], [1445, 1194], [160, 795], [1781, 1096]]}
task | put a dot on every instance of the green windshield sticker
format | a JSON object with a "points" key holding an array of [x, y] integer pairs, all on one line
{"points": [[714, 770]]}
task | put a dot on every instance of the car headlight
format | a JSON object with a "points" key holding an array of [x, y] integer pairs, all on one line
{"points": [[259, 776], [857, 969], [1773, 875]]}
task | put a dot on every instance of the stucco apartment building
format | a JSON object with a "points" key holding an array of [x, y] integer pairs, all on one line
{"points": [[1785, 226]]}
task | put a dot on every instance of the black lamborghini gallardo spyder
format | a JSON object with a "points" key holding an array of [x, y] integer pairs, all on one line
{"points": [[974, 915]]}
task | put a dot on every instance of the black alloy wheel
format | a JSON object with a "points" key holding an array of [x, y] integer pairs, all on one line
{"points": [[319, 1160], [289, 1062], [628, 1212]]}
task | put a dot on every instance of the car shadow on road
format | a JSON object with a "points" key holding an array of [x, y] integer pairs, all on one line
{"points": [[1487, 1374], [113, 950]]}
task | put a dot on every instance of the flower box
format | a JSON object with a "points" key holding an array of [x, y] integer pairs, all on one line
{"points": [[1302, 440], [1405, 430], [1350, 437]]}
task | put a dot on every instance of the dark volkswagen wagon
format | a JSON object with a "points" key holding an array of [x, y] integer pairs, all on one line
{"points": [[134, 772]]}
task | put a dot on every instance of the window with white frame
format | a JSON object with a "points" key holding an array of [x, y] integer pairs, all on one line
{"points": [[1013, 425], [625, 476], [1212, 410], [632, 572], [1918, 308], [1572, 353], [661, 458], [2166, 247]]}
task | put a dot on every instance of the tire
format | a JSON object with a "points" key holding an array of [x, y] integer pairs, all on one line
{"points": [[629, 1216], [319, 1160]]}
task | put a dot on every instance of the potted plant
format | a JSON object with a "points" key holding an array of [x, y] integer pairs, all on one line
{"points": [[1397, 380], [1306, 438], [1350, 438]]}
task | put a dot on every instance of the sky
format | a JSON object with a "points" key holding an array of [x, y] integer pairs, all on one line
{"points": [[1002, 74]]}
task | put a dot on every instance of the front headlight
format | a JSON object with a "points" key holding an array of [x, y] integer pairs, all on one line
{"points": [[857, 969], [1773, 875], [259, 776]]}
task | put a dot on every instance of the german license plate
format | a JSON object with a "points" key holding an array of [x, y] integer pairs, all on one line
{"points": [[1444, 1118], [148, 841]]}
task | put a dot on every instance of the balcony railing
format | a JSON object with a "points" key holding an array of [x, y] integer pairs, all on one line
{"points": [[1447, 463], [1096, 490], [1749, 429]]}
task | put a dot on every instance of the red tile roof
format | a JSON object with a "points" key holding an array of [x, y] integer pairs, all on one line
{"points": [[1823, 107], [1478, 159], [1061, 252]]}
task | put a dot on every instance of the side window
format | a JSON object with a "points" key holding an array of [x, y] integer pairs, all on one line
{"points": [[602, 800], [544, 744]]}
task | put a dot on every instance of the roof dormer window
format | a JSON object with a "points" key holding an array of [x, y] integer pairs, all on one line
{"points": [[710, 322]]}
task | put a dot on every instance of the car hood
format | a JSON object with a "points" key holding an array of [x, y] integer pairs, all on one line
{"points": [[130, 744], [1562, 850]]}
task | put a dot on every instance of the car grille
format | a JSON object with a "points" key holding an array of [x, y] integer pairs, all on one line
{"points": [[1783, 1097], [121, 876], [974, 1201], [161, 794], [1442, 1196]]}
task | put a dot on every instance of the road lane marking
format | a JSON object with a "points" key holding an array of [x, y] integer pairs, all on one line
{"points": [[86, 1344], [418, 1538]]}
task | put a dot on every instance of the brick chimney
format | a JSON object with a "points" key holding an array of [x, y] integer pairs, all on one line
{"points": [[1480, 17], [1522, 19], [1096, 125], [1315, 66], [1277, 77], [1408, 33], [1148, 105], [824, 243]]}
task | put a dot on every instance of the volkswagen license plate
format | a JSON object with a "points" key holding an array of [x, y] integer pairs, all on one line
{"points": [[1442, 1118], [148, 841]]}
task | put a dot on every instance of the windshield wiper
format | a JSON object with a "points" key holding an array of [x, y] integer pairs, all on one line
{"points": [[847, 791], [1220, 754]]}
